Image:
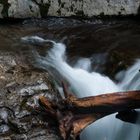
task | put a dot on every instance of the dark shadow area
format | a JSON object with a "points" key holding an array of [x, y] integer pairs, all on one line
{"points": [[128, 116]]}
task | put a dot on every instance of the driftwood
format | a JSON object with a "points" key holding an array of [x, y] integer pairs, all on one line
{"points": [[74, 114]]}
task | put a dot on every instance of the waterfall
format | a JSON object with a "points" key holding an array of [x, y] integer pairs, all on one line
{"points": [[85, 83], [131, 79]]}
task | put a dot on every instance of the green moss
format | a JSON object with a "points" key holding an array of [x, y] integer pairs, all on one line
{"points": [[6, 6]]}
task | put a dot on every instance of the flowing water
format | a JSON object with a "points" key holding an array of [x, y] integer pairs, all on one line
{"points": [[85, 83], [95, 58]]}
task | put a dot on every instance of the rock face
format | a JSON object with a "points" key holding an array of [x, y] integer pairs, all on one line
{"points": [[86, 8], [19, 86]]}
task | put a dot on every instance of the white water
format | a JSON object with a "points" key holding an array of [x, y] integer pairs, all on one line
{"points": [[86, 83]]}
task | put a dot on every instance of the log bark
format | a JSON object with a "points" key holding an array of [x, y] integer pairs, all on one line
{"points": [[74, 114]]}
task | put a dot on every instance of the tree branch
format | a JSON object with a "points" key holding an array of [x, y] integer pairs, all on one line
{"points": [[74, 114]]}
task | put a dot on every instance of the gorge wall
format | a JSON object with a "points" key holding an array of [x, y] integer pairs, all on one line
{"points": [[86, 8]]}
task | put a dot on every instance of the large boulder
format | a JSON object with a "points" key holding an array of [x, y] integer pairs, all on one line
{"points": [[84, 8]]}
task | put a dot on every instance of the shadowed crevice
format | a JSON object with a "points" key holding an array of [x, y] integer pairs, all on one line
{"points": [[44, 8], [6, 6]]}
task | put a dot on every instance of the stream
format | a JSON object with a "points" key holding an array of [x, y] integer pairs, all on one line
{"points": [[94, 57]]}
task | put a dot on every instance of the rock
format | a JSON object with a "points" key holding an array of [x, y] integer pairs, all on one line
{"points": [[30, 90], [84, 8], [4, 129], [23, 8], [20, 84], [1, 7], [110, 7]]}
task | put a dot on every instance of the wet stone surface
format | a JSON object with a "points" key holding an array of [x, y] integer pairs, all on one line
{"points": [[20, 86]]}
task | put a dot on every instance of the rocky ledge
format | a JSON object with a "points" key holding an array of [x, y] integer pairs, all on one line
{"points": [[20, 85], [84, 8]]}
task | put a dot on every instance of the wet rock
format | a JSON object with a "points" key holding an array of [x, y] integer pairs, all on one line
{"points": [[42, 135], [30, 90], [108, 40], [3, 115], [20, 84], [4, 129], [19, 137], [114, 45]]}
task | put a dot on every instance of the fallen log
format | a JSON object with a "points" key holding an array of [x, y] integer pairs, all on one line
{"points": [[74, 114]]}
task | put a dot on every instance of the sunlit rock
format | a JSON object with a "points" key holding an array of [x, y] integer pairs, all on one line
{"points": [[23, 9], [84, 8], [110, 7]]}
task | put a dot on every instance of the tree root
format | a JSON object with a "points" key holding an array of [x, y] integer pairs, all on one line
{"points": [[74, 114]]}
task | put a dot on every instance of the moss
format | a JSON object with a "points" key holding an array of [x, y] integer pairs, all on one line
{"points": [[6, 6]]}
